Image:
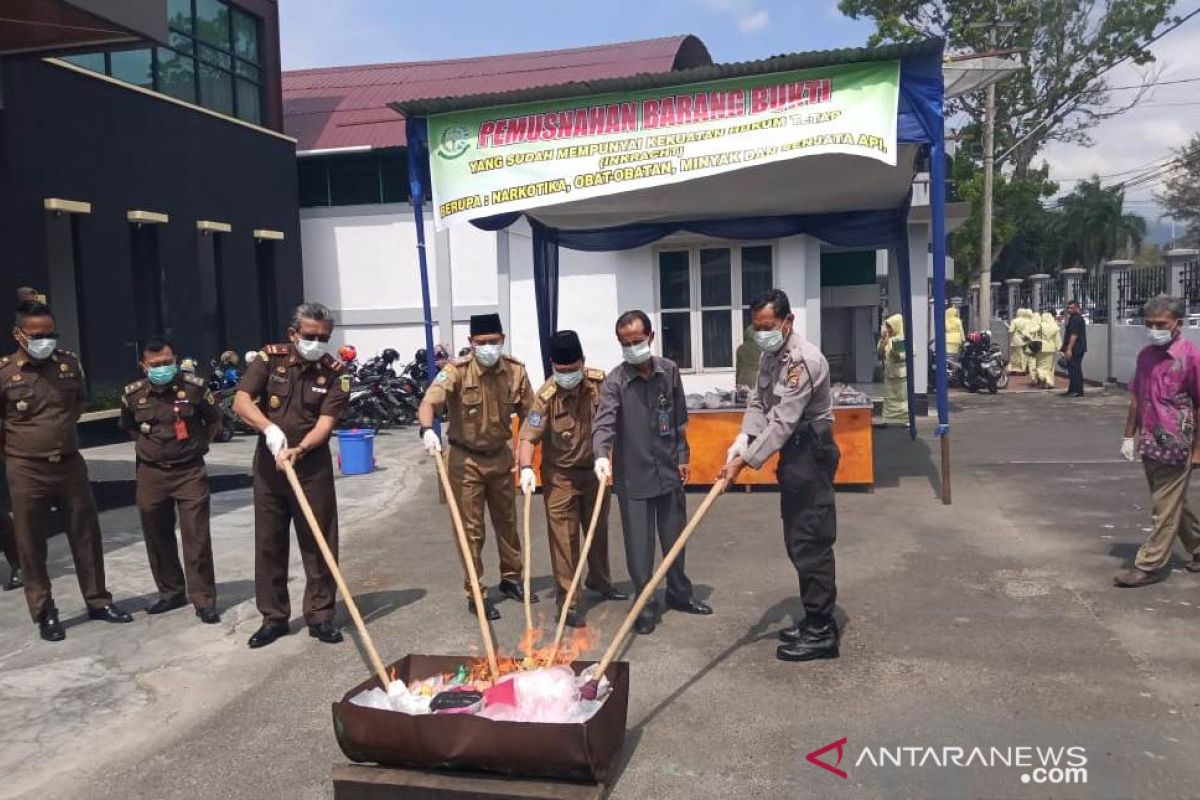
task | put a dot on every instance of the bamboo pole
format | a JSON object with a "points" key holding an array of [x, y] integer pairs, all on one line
{"points": [[528, 557], [331, 562], [583, 555], [465, 550]]}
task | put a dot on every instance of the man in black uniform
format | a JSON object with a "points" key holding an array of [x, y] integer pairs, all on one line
{"points": [[294, 396], [790, 413], [172, 417]]}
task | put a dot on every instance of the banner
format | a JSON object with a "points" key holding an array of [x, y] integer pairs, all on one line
{"points": [[511, 158]]}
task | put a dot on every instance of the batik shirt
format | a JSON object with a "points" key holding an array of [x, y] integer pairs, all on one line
{"points": [[1167, 387]]}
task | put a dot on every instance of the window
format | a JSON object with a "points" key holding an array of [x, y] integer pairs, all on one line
{"points": [[704, 295], [213, 58], [379, 176]]}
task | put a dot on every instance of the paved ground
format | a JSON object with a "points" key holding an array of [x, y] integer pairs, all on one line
{"points": [[989, 623]]}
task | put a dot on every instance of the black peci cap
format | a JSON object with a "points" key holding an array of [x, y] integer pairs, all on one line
{"points": [[565, 348], [483, 324]]}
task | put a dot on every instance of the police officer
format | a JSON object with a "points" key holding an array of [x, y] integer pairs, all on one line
{"points": [[643, 416], [295, 394], [561, 421], [43, 397], [482, 391], [172, 417], [790, 413]]}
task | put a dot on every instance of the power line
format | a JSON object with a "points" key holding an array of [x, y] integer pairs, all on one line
{"points": [[1151, 83]]}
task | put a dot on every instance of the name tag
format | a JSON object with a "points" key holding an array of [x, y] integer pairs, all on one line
{"points": [[318, 389]]}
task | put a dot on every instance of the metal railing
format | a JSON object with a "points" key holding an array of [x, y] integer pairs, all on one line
{"points": [[1191, 285], [1093, 295], [1135, 287]]}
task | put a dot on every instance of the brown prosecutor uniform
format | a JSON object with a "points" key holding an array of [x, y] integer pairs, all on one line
{"points": [[42, 402], [293, 393], [481, 403], [561, 421], [169, 425]]}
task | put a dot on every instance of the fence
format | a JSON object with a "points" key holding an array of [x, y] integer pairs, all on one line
{"points": [[1134, 288], [1191, 285], [1093, 296]]}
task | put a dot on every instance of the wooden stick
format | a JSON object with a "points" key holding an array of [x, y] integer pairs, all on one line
{"points": [[472, 576], [583, 555], [528, 611], [657, 577], [331, 562]]}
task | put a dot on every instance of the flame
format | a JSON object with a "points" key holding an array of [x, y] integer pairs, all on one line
{"points": [[531, 653]]}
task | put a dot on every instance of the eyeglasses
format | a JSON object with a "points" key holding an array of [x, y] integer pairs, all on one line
{"points": [[314, 337]]}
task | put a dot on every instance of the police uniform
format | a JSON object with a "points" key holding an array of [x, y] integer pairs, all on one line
{"points": [[41, 405], [561, 421], [293, 393], [170, 426], [480, 403], [790, 413]]}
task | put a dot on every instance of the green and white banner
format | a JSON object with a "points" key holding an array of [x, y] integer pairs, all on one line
{"points": [[511, 158]]}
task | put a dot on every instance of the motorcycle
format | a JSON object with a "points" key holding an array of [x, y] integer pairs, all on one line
{"points": [[983, 365], [223, 382]]}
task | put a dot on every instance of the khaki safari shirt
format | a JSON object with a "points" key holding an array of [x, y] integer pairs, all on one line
{"points": [[561, 421], [293, 392], [42, 402], [481, 401], [149, 414], [792, 389]]}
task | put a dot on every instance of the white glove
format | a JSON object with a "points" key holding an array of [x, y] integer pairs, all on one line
{"points": [[432, 443], [276, 440], [738, 448], [528, 480], [1127, 449], [602, 468]]}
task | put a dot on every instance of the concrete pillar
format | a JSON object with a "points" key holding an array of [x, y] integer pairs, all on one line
{"points": [[995, 304], [1178, 262], [1071, 279], [1118, 280], [443, 309], [1014, 295], [812, 288], [1038, 290], [920, 262], [973, 306]]}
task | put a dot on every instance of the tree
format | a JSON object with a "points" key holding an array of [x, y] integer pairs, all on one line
{"points": [[1094, 227], [1181, 191]]}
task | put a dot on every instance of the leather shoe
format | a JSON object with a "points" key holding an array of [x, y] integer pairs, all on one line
{"points": [[208, 615], [50, 628], [690, 606], [110, 613], [163, 605], [575, 619], [267, 634], [819, 640], [14, 580], [325, 632], [1193, 565], [489, 610], [612, 594], [1133, 578], [794, 633], [513, 590], [644, 625]]}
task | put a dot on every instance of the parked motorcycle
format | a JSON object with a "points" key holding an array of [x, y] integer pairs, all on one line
{"points": [[223, 382], [983, 364]]}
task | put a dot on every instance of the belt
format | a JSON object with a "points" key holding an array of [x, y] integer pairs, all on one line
{"points": [[192, 462], [805, 432], [475, 451]]}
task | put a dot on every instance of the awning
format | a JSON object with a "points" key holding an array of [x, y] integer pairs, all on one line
{"points": [[962, 77]]}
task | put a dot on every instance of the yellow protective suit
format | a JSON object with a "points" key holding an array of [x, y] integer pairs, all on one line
{"points": [[895, 372], [1051, 336], [955, 335], [1018, 335]]}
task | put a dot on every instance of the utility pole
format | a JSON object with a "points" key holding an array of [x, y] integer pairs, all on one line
{"points": [[989, 162]]}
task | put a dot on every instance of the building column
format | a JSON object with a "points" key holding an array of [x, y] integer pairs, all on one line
{"points": [[995, 301], [1072, 278], [1178, 262], [812, 288], [973, 306], [920, 263], [443, 310], [1014, 295], [1038, 290], [503, 281], [1118, 288]]}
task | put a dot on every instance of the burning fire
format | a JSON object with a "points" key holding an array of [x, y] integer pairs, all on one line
{"points": [[533, 654]]}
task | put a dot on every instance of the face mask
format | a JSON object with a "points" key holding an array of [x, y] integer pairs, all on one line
{"points": [[769, 341], [310, 350], [637, 353], [568, 380], [41, 349], [161, 376], [488, 354], [1159, 338]]}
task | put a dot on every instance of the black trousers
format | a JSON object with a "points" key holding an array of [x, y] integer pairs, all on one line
{"points": [[641, 519], [1075, 372], [806, 467]]}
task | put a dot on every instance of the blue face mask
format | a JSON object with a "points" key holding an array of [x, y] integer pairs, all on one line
{"points": [[161, 376]]}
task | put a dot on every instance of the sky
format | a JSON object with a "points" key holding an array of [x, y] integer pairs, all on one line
{"points": [[320, 33]]}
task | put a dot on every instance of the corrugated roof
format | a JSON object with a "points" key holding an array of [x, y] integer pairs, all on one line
{"points": [[335, 107], [634, 82]]}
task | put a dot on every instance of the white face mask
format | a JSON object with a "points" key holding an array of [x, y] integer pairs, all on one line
{"points": [[769, 341], [637, 353], [41, 349], [310, 351], [488, 354], [568, 380], [1159, 338]]}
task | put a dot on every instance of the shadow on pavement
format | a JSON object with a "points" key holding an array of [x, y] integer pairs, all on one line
{"points": [[377, 605], [897, 456]]}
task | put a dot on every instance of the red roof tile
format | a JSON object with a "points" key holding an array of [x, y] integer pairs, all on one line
{"points": [[336, 107]]}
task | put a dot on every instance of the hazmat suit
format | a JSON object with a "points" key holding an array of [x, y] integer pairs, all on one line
{"points": [[955, 335], [892, 346], [1051, 336], [1018, 336]]}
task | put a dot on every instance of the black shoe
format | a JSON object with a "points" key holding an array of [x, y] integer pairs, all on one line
{"points": [[162, 605], [267, 634], [612, 594], [575, 619], [644, 625], [325, 632], [513, 590], [795, 633], [690, 606], [50, 628], [208, 615], [110, 613], [489, 609], [14, 580], [819, 640]]}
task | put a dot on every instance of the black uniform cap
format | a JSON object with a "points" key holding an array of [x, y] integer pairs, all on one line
{"points": [[565, 348], [483, 324]]}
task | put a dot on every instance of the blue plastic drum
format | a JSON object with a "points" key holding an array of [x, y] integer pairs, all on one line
{"points": [[356, 451]]}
